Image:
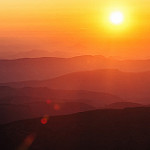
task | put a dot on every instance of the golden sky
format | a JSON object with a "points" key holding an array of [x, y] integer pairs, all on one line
{"points": [[76, 25]]}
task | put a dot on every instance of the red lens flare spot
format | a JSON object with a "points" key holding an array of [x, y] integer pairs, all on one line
{"points": [[29, 140], [44, 120], [48, 101], [56, 107]]}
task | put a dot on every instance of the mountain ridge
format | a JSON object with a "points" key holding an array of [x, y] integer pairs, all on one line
{"points": [[123, 84], [49, 67]]}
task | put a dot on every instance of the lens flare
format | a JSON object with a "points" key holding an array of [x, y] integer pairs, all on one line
{"points": [[48, 101], [56, 107]]}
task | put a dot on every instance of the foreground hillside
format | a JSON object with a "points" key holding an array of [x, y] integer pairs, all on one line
{"points": [[100, 129]]}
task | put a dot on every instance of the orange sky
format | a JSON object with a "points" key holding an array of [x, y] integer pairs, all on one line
{"points": [[76, 25]]}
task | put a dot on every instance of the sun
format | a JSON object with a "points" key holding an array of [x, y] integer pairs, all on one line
{"points": [[116, 17]]}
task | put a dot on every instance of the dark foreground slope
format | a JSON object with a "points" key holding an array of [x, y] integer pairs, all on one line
{"points": [[127, 129]]}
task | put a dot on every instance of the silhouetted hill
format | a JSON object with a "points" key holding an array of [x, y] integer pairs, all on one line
{"points": [[122, 105], [50, 67], [39, 94], [28, 102], [14, 112], [127, 129], [124, 84]]}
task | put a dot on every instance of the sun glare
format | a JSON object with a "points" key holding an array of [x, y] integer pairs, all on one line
{"points": [[117, 17]]}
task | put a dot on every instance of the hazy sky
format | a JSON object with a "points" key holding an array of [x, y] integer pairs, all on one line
{"points": [[75, 25]]}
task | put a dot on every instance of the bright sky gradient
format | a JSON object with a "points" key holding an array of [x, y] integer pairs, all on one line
{"points": [[76, 26]]}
